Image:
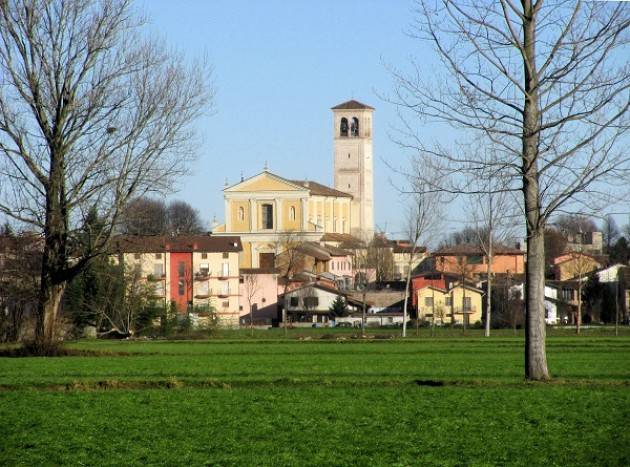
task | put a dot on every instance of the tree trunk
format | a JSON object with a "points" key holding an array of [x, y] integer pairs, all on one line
{"points": [[49, 303], [535, 353]]}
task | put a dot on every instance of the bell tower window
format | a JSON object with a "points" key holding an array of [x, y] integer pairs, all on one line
{"points": [[354, 129], [343, 130]]}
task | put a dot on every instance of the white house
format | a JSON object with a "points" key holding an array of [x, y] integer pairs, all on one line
{"points": [[551, 302], [311, 303]]}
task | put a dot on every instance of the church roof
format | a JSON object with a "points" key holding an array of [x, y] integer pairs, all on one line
{"points": [[352, 104], [317, 189]]}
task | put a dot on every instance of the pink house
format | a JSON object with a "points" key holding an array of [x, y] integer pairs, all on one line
{"points": [[260, 288]]}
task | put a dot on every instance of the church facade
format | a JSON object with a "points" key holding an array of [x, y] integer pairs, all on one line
{"points": [[267, 210]]}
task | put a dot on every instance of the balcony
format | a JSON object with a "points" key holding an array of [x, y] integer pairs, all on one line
{"points": [[202, 275], [156, 277], [203, 296]]}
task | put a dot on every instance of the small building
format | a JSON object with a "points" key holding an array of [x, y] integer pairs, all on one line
{"points": [[310, 304], [260, 288], [470, 260], [450, 305], [574, 265], [193, 273]]}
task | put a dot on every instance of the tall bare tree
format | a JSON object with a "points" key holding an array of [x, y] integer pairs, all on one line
{"points": [[546, 83], [424, 216], [289, 260], [252, 288], [92, 114], [145, 216], [494, 219]]}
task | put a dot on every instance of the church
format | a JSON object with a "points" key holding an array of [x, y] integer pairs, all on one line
{"points": [[267, 208]]}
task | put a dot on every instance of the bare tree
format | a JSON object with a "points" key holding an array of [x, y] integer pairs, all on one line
{"points": [[611, 232], [494, 221], [92, 114], [424, 216], [145, 216], [183, 218], [252, 287], [547, 84], [289, 260]]}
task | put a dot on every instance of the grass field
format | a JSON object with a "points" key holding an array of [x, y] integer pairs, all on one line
{"points": [[441, 401]]}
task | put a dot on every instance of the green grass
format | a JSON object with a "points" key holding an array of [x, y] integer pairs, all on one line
{"points": [[291, 402]]}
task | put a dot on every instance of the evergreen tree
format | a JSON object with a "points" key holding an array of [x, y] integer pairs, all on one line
{"points": [[339, 308]]}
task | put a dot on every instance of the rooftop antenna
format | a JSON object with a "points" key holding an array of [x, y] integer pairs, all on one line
{"points": [[266, 167], [242, 178]]}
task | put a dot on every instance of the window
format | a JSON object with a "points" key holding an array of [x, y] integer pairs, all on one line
{"points": [[181, 269], [158, 256], [180, 287], [567, 294], [354, 129], [348, 155], [225, 289], [264, 300], [292, 213], [428, 301], [136, 256], [226, 255], [448, 301], [241, 213], [226, 304], [343, 129], [475, 259], [158, 269], [467, 304], [204, 255], [241, 280], [267, 216], [204, 269], [225, 270], [311, 302], [294, 301], [202, 288]]}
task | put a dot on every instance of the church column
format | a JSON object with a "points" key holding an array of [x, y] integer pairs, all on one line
{"points": [[304, 214], [253, 218], [276, 214], [228, 216], [279, 213]]}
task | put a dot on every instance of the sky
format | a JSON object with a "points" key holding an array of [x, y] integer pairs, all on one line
{"points": [[278, 68]]}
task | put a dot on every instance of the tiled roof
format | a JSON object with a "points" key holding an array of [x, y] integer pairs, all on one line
{"points": [[180, 243], [351, 104], [465, 249], [318, 189]]}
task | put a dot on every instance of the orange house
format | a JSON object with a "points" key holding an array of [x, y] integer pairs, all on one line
{"points": [[470, 260]]}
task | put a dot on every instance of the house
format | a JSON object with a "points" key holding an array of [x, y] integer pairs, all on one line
{"points": [[553, 303], [310, 304], [471, 261], [193, 273], [402, 250], [586, 242], [450, 305], [258, 290], [574, 265], [435, 279]]}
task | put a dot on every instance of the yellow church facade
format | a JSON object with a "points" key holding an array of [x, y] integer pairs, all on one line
{"points": [[267, 211]]}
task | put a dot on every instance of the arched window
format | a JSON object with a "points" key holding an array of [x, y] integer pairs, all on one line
{"points": [[241, 213], [292, 213], [344, 127], [354, 129]]}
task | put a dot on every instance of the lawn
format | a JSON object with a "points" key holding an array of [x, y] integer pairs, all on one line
{"points": [[441, 401]]}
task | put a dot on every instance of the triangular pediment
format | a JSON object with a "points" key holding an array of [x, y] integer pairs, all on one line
{"points": [[263, 182]]}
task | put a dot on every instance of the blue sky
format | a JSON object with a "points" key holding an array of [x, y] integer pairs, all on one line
{"points": [[278, 68]]}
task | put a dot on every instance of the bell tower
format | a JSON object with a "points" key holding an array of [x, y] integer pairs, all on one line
{"points": [[353, 163]]}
